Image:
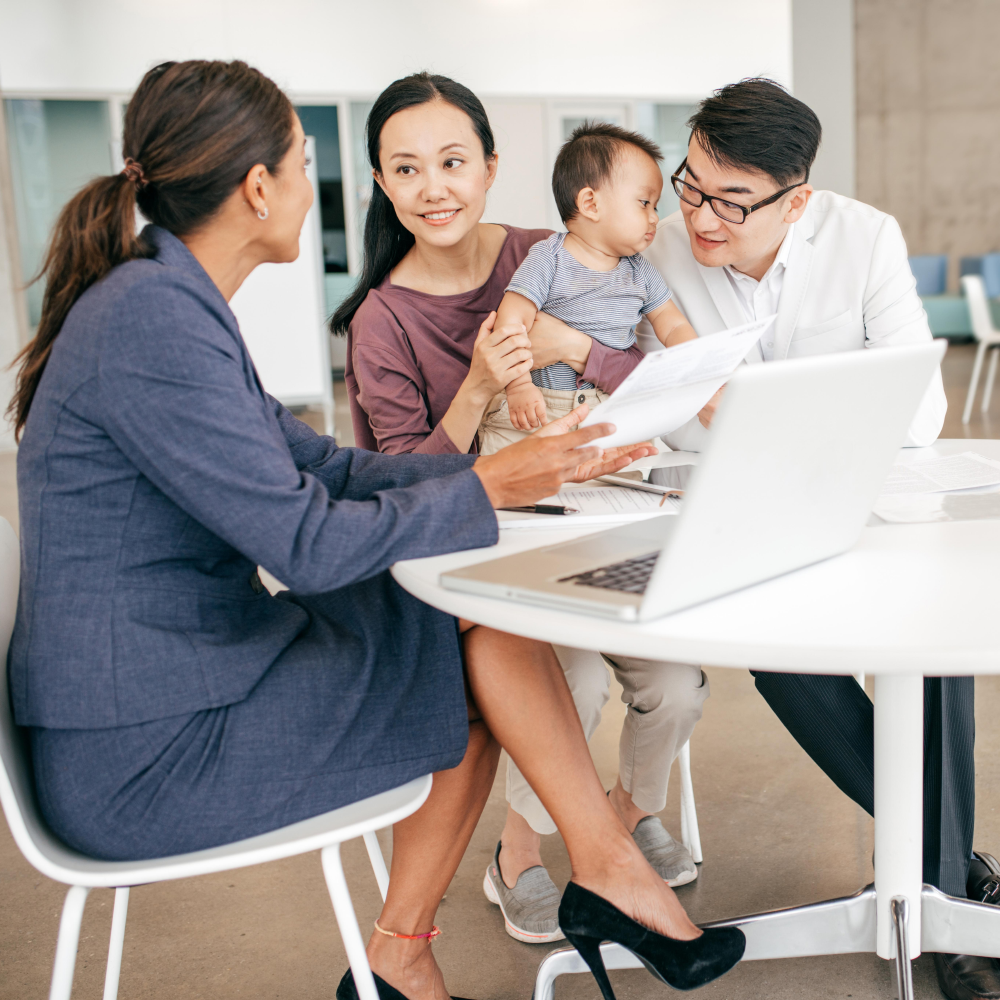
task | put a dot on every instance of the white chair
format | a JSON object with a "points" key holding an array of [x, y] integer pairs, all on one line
{"points": [[54, 859], [690, 836], [988, 337]]}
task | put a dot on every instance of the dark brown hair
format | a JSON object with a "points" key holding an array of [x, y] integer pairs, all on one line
{"points": [[193, 131], [588, 159], [757, 125]]}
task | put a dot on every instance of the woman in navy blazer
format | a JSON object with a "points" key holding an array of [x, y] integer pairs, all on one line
{"points": [[173, 703]]}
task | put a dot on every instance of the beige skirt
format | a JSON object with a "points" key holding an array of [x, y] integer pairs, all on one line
{"points": [[496, 431]]}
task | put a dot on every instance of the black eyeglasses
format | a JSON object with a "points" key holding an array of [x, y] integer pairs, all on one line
{"points": [[728, 211]]}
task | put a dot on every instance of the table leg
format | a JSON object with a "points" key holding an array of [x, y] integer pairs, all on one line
{"points": [[899, 806], [870, 919]]}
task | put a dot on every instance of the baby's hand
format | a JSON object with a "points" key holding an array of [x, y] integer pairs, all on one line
{"points": [[526, 406]]}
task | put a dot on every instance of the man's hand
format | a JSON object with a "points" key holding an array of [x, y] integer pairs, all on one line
{"points": [[707, 412]]}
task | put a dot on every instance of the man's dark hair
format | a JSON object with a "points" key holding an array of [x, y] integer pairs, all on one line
{"points": [[757, 125], [588, 159]]}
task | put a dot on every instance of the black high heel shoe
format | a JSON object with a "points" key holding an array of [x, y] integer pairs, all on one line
{"points": [[587, 919], [347, 990]]}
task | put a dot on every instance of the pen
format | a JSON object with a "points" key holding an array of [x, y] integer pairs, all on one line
{"points": [[672, 495], [543, 508]]}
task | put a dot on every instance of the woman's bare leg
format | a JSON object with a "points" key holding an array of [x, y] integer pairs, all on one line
{"points": [[426, 850], [529, 709], [518, 688]]}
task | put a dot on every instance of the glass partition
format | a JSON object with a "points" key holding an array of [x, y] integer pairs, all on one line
{"points": [[55, 148], [362, 172], [320, 121], [666, 125]]}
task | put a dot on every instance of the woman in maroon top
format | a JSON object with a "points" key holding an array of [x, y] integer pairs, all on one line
{"points": [[423, 359], [423, 363]]}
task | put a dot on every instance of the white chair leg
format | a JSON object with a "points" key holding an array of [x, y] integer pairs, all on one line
{"points": [[114, 972], [378, 863], [991, 374], [974, 382], [69, 939], [689, 814], [354, 945], [860, 678]]}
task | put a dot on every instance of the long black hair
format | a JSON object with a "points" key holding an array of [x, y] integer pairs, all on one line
{"points": [[386, 239]]}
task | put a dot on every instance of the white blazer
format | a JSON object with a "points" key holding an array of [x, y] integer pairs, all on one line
{"points": [[847, 285]]}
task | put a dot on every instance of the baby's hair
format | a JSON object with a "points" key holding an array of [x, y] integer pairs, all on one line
{"points": [[588, 159]]}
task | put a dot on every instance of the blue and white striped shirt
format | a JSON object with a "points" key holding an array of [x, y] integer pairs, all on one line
{"points": [[605, 305]]}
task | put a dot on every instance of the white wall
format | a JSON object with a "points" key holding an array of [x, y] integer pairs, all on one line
{"points": [[644, 48], [520, 194], [823, 46]]}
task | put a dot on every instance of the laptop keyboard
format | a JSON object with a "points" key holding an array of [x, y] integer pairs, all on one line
{"points": [[631, 575]]}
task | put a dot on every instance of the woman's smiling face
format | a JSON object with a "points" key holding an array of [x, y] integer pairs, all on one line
{"points": [[434, 172]]}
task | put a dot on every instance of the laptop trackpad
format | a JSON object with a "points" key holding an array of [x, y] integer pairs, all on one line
{"points": [[619, 543]]}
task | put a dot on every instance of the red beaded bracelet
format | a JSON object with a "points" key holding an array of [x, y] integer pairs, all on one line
{"points": [[430, 935]]}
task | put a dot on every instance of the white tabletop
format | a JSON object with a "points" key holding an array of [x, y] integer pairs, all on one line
{"points": [[907, 598]]}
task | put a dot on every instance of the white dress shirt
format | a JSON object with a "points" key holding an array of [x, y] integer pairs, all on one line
{"points": [[760, 298], [846, 285]]}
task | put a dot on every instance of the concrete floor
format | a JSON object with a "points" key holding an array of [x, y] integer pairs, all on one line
{"points": [[775, 832]]}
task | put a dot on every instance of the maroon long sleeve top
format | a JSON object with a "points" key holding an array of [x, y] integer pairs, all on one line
{"points": [[408, 353]]}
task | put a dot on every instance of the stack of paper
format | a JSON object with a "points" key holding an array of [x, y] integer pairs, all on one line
{"points": [[956, 472], [597, 505], [917, 493]]}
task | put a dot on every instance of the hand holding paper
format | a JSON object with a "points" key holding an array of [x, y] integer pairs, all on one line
{"points": [[667, 388]]}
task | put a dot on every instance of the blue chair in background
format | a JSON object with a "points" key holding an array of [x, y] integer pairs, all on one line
{"points": [[931, 272], [987, 267]]}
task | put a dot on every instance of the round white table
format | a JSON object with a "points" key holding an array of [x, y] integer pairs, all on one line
{"points": [[908, 600]]}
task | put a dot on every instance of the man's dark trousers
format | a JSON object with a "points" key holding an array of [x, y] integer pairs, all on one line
{"points": [[833, 720]]}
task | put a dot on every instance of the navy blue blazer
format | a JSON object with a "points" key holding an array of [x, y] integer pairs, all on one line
{"points": [[155, 474]]}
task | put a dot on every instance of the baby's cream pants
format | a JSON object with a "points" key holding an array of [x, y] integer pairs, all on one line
{"points": [[496, 431], [664, 703]]}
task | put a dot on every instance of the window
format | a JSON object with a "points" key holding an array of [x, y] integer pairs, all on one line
{"points": [[56, 147], [666, 125], [320, 121], [362, 171]]}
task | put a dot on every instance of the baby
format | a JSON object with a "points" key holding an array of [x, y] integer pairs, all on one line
{"points": [[607, 184]]}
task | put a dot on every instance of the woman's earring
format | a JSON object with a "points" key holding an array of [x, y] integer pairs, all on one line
{"points": [[262, 215]]}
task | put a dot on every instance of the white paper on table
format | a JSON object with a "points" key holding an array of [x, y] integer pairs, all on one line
{"points": [[667, 388], [956, 472], [597, 504], [917, 508]]}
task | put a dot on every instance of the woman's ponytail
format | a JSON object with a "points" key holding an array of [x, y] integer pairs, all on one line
{"points": [[386, 239], [192, 132], [95, 232]]}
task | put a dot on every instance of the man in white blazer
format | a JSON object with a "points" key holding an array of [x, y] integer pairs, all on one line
{"points": [[752, 239]]}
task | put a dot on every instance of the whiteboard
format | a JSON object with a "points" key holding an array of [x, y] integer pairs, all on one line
{"points": [[281, 311]]}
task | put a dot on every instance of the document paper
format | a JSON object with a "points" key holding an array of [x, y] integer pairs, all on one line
{"points": [[667, 388], [956, 472], [597, 505]]}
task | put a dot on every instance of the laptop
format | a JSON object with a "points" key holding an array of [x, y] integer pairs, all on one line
{"points": [[797, 456]]}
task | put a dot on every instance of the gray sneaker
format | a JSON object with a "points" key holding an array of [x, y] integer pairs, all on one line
{"points": [[531, 909], [670, 860]]}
